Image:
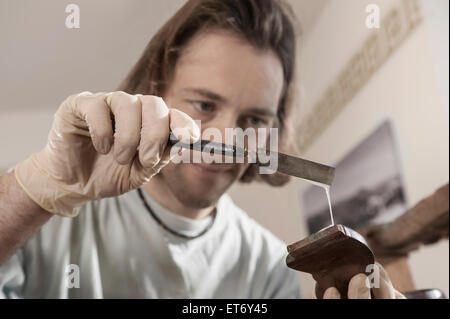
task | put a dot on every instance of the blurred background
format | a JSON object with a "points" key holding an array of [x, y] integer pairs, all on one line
{"points": [[369, 101]]}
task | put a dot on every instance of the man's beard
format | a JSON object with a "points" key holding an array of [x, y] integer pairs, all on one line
{"points": [[194, 192]]}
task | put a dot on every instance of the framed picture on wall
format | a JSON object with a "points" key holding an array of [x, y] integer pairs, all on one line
{"points": [[367, 189]]}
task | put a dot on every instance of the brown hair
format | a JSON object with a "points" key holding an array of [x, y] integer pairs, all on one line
{"points": [[265, 24]]}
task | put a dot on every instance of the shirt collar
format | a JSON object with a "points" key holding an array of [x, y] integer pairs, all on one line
{"points": [[177, 223]]}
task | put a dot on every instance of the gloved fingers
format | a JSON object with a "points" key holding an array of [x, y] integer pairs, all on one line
{"points": [[331, 293], [358, 288], [92, 109], [155, 130], [141, 175], [127, 112], [385, 289], [183, 127], [165, 159]]}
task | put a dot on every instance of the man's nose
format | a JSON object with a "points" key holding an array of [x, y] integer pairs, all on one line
{"points": [[216, 130]]}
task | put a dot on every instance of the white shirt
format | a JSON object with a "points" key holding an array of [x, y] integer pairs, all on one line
{"points": [[122, 252]]}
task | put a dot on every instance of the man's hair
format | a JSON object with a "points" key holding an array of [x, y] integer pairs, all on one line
{"points": [[265, 24]]}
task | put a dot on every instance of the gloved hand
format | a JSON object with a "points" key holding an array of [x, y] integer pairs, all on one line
{"points": [[358, 288], [84, 161]]}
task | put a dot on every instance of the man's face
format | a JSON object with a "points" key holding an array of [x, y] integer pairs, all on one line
{"points": [[225, 83]]}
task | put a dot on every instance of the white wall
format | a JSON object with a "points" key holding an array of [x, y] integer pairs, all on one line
{"points": [[42, 62]]}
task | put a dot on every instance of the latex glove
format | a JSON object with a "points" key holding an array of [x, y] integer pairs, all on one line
{"points": [[84, 161], [358, 288]]}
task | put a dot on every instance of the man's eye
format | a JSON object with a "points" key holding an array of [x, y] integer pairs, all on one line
{"points": [[255, 121], [203, 106]]}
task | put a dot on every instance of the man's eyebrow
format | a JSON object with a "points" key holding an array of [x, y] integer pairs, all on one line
{"points": [[207, 93]]}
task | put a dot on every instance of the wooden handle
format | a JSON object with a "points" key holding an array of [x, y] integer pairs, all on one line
{"points": [[332, 256]]}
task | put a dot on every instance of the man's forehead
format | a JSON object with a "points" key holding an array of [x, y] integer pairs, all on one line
{"points": [[224, 64]]}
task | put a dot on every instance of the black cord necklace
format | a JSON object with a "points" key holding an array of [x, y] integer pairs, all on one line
{"points": [[173, 232]]}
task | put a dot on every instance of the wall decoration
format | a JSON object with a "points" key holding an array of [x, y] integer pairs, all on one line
{"points": [[367, 189]]}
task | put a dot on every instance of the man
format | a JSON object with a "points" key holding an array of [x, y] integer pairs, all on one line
{"points": [[133, 225]]}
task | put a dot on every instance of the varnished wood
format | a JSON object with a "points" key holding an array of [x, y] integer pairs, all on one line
{"points": [[332, 256], [425, 223]]}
